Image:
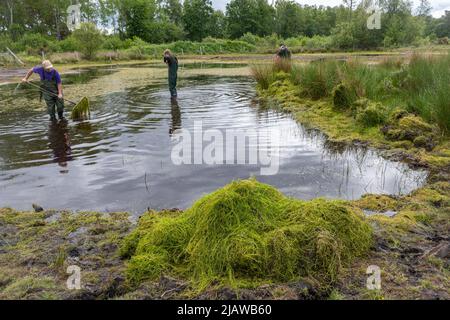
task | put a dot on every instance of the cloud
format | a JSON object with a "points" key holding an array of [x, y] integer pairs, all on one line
{"points": [[439, 6]]}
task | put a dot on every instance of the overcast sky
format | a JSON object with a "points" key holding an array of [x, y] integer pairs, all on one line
{"points": [[439, 6]]}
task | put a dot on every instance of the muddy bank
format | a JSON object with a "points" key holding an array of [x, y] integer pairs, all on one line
{"points": [[411, 244], [411, 247]]}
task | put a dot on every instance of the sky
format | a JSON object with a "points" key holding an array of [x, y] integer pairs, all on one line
{"points": [[439, 6]]}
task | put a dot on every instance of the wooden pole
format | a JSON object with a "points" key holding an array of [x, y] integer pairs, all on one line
{"points": [[16, 57]]}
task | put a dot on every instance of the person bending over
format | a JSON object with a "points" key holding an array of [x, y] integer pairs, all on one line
{"points": [[51, 85]]}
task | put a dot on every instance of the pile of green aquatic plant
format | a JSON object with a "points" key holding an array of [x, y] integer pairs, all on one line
{"points": [[81, 110], [247, 233]]}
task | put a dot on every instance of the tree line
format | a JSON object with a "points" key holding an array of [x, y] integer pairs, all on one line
{"points": [[163, 21]]}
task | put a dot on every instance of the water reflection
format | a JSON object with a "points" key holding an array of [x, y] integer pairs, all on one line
{"points": [[175, 112], [120, 159], [59, 143]]}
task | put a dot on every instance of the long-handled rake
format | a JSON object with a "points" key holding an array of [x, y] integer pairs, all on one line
{"points": [[80, 111]]}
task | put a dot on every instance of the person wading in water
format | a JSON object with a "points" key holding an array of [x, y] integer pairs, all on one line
{"points": [[172, 63], [283, 52], [51, 88]]}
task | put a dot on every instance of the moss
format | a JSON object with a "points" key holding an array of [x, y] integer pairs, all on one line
{"points": [[433, 197], [422, 141], [335, 295], [414, 126], [372, 115], [249, 230], [30, 287], [373, 295], [402, 144], [41, 248], [396, 114], [343, 97], [408, 127], [377, 203], [359, 105]]}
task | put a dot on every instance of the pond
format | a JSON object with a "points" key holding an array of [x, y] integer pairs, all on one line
{"points": [[122, 158]]}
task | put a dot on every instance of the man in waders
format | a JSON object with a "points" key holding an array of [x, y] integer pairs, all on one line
{"points": [[51, 88], [283, 52], [172, 63]]}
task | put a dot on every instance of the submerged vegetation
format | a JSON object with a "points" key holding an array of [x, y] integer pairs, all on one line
{"points": [[248, 232]]}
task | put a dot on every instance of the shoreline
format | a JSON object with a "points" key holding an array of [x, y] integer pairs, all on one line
{"points": [[228, 58], [410, 246]]}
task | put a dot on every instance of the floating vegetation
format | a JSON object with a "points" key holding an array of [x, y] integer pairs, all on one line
{"points": [[81, 110], [248, 232]]}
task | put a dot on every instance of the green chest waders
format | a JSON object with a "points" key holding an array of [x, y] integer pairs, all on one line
{"points": [[53, 102], [173, 70]]}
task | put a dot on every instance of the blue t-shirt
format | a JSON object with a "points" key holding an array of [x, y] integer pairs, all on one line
{"points": [[47, 75]]}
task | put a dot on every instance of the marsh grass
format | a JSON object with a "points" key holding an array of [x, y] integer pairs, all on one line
{"points": [[421, 86], [427, 89], [263, 74], [248, 232]]}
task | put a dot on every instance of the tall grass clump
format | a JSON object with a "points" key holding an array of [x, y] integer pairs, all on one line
{"points": [[420, 86], [248, 232], [317, 80], [264, 75], [427, 89]]}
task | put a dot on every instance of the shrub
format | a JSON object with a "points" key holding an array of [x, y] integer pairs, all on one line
{"points": [[114, 43], [250, 38], [66, 57], [89, 39], [443, 41], [35, 44], [5, 41], [70, 44]]}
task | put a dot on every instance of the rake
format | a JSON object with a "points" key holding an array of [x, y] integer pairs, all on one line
{"points": [[80, 111]]}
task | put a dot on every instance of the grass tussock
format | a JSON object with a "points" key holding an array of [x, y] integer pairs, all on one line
{"points": [[248, 231], [419, 87]]}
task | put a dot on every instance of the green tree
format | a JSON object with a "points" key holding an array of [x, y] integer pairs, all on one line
{"points": [[173, 10], [424, 8], [443, 26], [218, 25], [398, 24], [136, 17], [253, 16], [108, 13], [288, 18], [89, 39], [197, 15]]}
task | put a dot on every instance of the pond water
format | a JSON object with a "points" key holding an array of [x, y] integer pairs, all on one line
{"points": [[121, 158]]}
